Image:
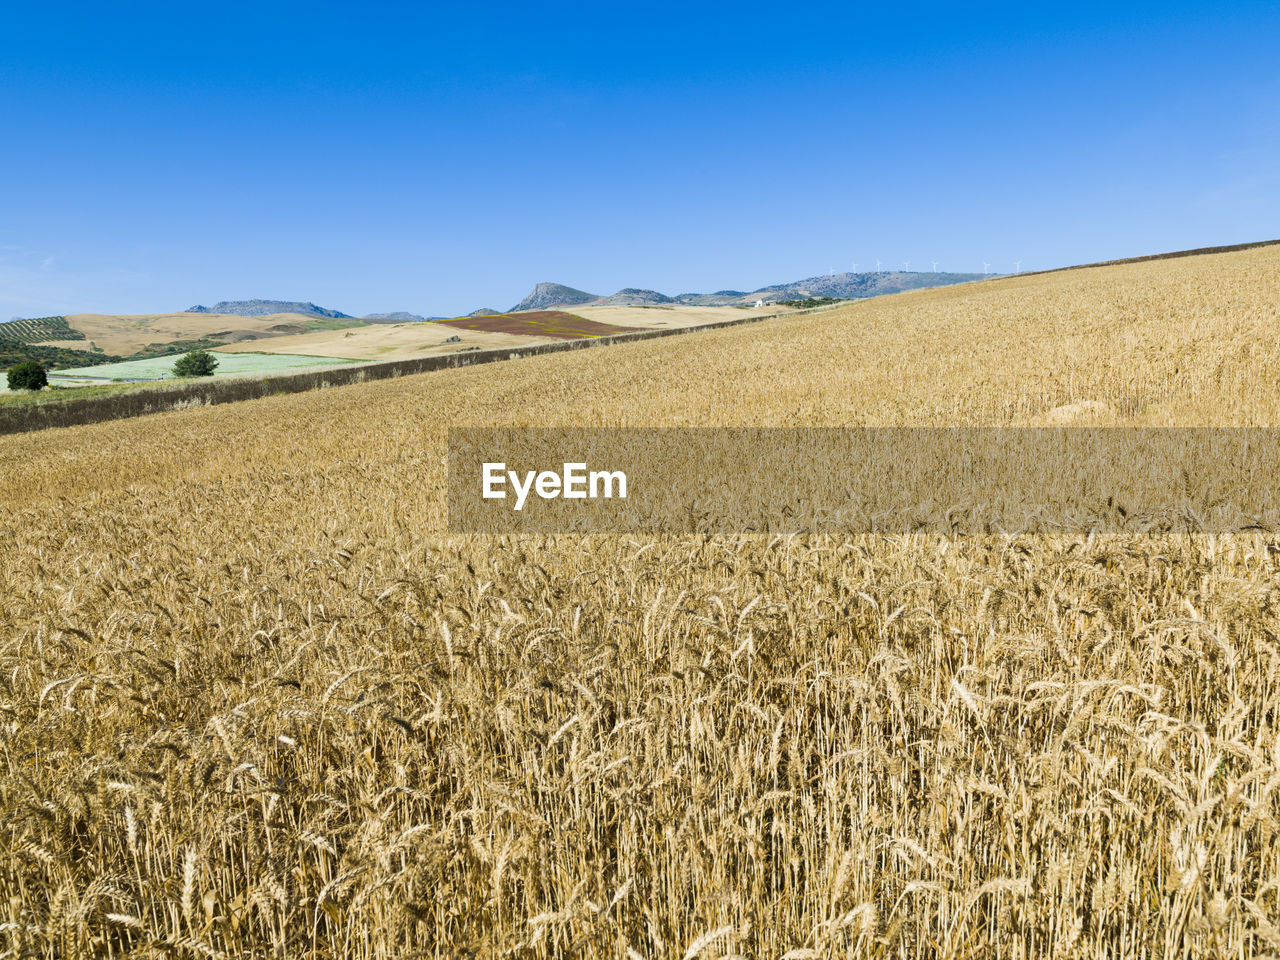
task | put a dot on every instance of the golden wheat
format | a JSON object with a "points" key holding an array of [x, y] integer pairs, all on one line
{"points": [[255, 702]]}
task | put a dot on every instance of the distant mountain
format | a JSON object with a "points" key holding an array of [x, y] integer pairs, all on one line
{"points": [[553, 295], [848, 285], [858, 285], [630, 295], [398, 317], [263, 308], [482, 312]]}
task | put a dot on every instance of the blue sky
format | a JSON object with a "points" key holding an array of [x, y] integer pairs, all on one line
{"points": [[383, 157]]}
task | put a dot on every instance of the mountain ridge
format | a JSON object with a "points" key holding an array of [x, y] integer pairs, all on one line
{"points": [[264, 308], [547, 294]]}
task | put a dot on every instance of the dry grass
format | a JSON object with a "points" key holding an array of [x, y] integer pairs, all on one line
{"points": [[127, 334], [397, 341], [255, 703], [666, 316]]}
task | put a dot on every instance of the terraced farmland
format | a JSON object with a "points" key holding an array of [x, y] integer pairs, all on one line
{"points": [[39, 330]]}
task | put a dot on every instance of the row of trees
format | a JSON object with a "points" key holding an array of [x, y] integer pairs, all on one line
{"points": [[31, 375], [38, 330]]}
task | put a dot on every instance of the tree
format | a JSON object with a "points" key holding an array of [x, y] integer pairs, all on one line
{"points": [[27, 376], [197, 363]]}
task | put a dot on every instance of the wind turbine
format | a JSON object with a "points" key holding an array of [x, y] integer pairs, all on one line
{"points": [[935, 265], [906, 266], [1017, 266], [855, 266], [877, 264], [986, 267]]}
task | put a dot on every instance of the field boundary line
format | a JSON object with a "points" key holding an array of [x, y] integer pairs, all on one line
{"points": [[78, 412], [1172, 255]]}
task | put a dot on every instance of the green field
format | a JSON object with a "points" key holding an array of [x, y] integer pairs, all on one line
{"points": [[161, 368]]}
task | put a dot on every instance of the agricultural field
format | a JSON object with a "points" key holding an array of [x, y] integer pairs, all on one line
{"points": [[257, 701], [161, 368], [38, 330], [543, 324], [667, 316], [46, 340], [403, 341], [399, 341], [128, 334]]}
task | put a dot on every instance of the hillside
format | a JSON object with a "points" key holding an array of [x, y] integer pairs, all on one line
{"points": [[384, 340], [50, 341], [672, 315], [13, 352], [38, 330], [127, 334], [841, 285], [259, 698]]}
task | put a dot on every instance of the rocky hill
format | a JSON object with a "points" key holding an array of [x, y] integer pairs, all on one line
{"points": [[546, 295]]}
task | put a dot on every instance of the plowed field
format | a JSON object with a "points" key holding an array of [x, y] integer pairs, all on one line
{"points": [[540, 323]]}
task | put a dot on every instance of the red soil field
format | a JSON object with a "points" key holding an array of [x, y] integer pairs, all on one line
{"points": [[540, 323]]}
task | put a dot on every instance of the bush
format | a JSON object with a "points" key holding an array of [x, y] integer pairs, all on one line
{"points": [[27, 376], [197, 363]]}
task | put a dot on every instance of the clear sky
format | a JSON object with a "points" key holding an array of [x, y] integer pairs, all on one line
{"points": [[378, 157]]}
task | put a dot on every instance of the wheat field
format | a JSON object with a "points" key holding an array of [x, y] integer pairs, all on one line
{"points": [[256, 702]]}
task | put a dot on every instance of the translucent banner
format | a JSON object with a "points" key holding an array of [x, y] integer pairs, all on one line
{"points": [[953, 480]]}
